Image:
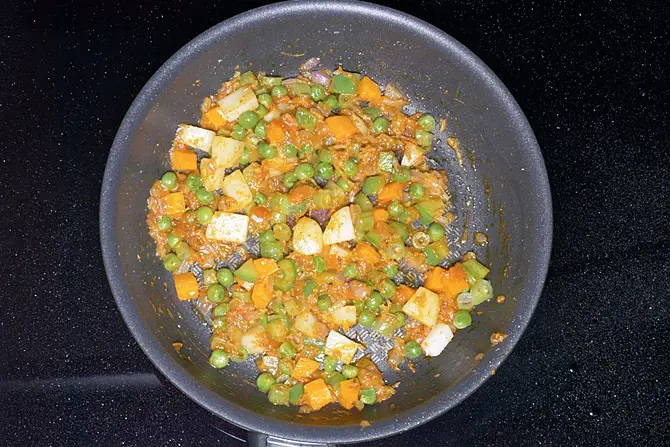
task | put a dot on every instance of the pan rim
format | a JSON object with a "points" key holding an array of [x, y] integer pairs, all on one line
{"points": [[228, 410]]}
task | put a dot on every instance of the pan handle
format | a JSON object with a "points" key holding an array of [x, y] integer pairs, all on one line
{"points": [[260, 440]]}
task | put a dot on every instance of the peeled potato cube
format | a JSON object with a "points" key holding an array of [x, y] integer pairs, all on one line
{"points": [[344, 317], [227, 152], [307, 237], [423, 306], [195, 136], [412, 155], [437, 339], [236, 187], [228, 227], [238, 102], [340, 228], [340, 347]]}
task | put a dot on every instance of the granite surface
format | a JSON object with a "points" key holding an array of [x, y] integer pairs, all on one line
{"points": [[592, 368]]}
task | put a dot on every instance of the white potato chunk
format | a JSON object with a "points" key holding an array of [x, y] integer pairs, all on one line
{"points": [[212, 175], [437, 339], [227, 152], [423, 306], [307, 237], [340, 228], [306, 323], [228, 227], [340, 347], [235, 104], [412, 155], [252, 340], [236, 187], [344, 316], [196, 137]]}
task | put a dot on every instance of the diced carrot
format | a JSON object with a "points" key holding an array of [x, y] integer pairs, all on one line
{"points": [[259, 214], [390, 191], [261, 294], [367, 253], [449, 282], [183, 160], [349, 391], [300, 193], [304, 368], [213, 119], [275, 133], [317, 394], [175, 204], [186, 285], [265, 267], [341, 127], [368, 90], [403, 294], [380, 215]]}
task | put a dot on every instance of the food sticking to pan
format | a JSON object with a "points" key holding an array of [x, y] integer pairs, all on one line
{"points": [[300, 208]]}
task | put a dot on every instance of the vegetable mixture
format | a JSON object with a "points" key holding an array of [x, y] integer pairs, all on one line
{"points": [[302, 207]]}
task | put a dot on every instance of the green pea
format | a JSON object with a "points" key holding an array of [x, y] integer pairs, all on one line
{"points": [[204, 214], [260, 198], [305, 119], [209, 277], [395, 208], [317, 93], [387, 288], [225, 277], [279, 394], [350, 271], [273, 250], [372, 111], [349, 371], [266, 151], [360, 306], [391, 270], [286, 350], [279, 91], [290, 179], [215, 293], [205, 197], [462, 319], [364, 202], [346, 100], [242, 356], [427, 122], [374, 184], [265, 381], [164, 223], [403, 175], [218, 358], [324, 302], [220, 323], [306, 150], [290, 151], [248, 119], [238, 132], [401, 319], [296, 393], [412, 349], [221, 310], [325, 156], [368, 397], [183, 251], [261, 111], [171, 262], [259, 130], [436, 231], [282, 232], [173, 240], [334, 379], [319, 264], [329, 364], [245, 158], [266, 237], [380, 125], [345, 185], [374, 301], [366, 318], [169, 180], [324, 171], [193, 181], [416, 191], [331, 101], [350, 167], [424, 138], [265, 99], [304, 171]]}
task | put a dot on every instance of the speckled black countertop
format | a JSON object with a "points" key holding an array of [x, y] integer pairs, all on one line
{"points": [[592, 368]]}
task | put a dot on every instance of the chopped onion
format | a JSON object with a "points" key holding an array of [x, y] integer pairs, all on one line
{"points": [[392, 93], [291, 81], [321, 78], [309, 64]]}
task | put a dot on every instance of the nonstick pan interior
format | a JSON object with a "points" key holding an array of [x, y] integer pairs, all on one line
{"points": [[498, 185]]}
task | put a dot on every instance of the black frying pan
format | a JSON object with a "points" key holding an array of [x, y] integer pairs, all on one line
{"points": [[499, 187]]}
